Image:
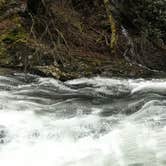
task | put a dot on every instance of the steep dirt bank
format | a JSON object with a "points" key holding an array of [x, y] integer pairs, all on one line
{"points": [[70, 39]]}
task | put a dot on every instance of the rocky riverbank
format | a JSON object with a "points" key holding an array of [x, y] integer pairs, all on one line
{"points": [[67, 40]]}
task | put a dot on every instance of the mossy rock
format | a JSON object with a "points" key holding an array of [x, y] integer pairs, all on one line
{"points": [[12, 33]]}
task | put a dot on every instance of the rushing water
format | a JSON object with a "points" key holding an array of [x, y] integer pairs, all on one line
{"points": [[83, 122]]}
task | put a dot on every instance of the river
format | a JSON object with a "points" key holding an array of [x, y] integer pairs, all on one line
{"points": [[83, 122]]}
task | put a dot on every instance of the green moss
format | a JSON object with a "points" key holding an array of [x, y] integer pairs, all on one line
{"points": [[5, 59], [14, 36], [14, 33], [2, 2], [2, 51]]}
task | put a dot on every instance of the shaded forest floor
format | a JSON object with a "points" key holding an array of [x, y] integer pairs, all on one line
{"points": [[67, 41]]}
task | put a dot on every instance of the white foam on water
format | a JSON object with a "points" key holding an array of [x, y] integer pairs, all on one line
{"points": [[36, 140], [52, 82], [32, 138], [122, 85], [149, 87]]}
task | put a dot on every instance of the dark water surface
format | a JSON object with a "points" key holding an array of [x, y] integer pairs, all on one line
{"points": [[83, 122]]}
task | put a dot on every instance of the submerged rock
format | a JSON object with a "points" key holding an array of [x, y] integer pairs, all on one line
{"points": [[3, 134]]}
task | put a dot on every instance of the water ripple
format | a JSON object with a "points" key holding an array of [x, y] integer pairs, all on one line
{"points": [[83, 122]]}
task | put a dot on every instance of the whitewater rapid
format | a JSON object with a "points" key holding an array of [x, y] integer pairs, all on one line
{"points": [[83, 122]]}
